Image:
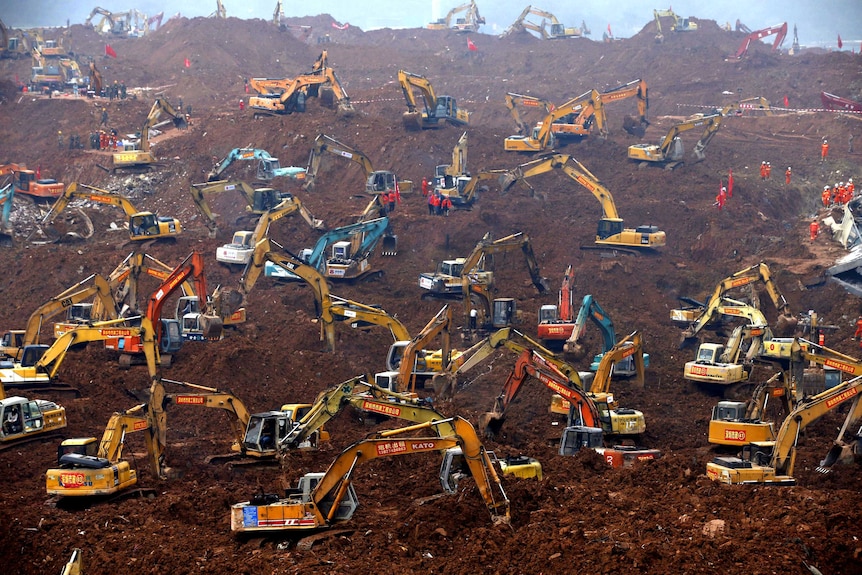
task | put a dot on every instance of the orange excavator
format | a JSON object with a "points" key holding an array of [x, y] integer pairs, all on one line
{"points": [[169, 332], [26, 182], [780, 31]]}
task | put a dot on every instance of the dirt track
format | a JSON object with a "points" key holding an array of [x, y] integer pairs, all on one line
{"points": [[583, 517]]}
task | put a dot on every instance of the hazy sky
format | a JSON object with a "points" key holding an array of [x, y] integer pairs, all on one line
{"points": [[819, 22]]}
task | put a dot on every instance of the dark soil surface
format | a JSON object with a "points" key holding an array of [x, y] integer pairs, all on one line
{"points": [[583, 517]]}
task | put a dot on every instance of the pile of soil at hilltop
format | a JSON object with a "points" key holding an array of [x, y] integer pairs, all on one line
{"points": [[583, 516]]}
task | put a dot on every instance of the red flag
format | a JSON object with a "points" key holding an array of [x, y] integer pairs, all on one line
{"points": [[786, 102], [344, 26], [110, 51], [730, 184], [187, 63], [471, 46], [840, 43], [609, 30]]}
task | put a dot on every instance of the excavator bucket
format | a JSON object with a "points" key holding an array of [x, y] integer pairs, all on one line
{"points": [[444, 385], [390, 245], [786, 325], [227, 301], [575, 350], [6, 237], [69, 227], [211, 326], [412, 120], [490, 423], [840, 453], [507, 180], [634, 126]]}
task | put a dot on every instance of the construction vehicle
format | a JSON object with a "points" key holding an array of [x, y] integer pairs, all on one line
{"points": [[265, 251], [277, 86], [323, 84], [566, 331], [138, 155], [118, 24], [738, 423], [584, 409], [39, 363], [610, 232], [13, 44], [25, 182], [268, 167], [351, 247], [470, 21], [833, 102], [24, 420], [513, 100], [772, 462], [87, 467], [576, 118], [95, 79], [143, 225], [324, 499], [703, 315], [72, 302], [779, 30], [7, 194], [549, 29], [241, 247], [376, 181], [453, 276], [437, 111], [268, 202], [450, 179], [679, 24], [669, 152], [409, 364], [465, 193]]}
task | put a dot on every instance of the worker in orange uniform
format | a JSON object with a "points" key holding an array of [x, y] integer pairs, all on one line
{"points": [[824, 150], [763, 170], [813, 229], [721, 198], [851, 189], [825, 195], [787, 177], [768, 170], [446, 205], [424, 187], [241, 105], [858, 333]]}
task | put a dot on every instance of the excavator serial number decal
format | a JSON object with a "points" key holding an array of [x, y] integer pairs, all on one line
{"points": [[699, 370], [72, 480], [734, 434], [116, 332], [391, 447]]}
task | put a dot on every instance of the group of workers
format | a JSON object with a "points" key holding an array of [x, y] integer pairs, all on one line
{"points": [[838, 195], [438, 204]]}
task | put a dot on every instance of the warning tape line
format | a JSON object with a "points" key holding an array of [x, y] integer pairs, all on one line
{"points": [[754, 107]]}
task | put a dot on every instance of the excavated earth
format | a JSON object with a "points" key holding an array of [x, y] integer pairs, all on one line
{"points": [[659, 517]]}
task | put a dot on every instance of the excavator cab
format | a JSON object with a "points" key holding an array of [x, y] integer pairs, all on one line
{"points": [[579, 437], [267, 167], [265, 199], [380, 181]]}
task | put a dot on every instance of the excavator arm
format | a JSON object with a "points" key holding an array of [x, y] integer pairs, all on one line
{"points": [[292, 99], [590, 309], [780, 31], [437, 111], [530, 363], [439, 325], [631, 345], [514, 100], [267, 169], [264, 252], [324, 144], [199, 193], [213, 398], [360, 314]]}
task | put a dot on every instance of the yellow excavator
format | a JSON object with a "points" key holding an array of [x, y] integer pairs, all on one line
{"points": [[23, 420], [610, 233], [323, 84], [469, 22], [69, 299], [324, 499], [772, 462], [376, 181], [550, 27], [703, 315], [143, 225], [669, 152], [437, 111], [139, 156], [451, 276], [39, 363], [261, 201]]}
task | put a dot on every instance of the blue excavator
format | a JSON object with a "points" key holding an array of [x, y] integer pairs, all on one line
{"points": [[343, 253], [267, 166]]}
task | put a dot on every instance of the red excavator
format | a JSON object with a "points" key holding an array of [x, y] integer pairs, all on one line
{"points": [[780, 31]]}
